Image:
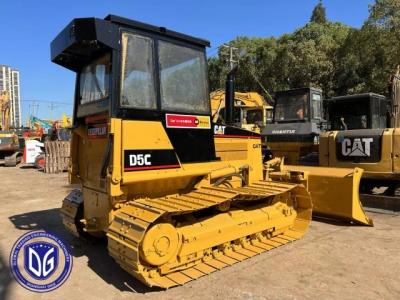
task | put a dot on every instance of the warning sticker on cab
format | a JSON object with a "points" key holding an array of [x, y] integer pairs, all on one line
{"points": [[188, 121]]}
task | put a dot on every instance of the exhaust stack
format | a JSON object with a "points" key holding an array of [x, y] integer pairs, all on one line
{"points": [[394, 91], [230, 96]]}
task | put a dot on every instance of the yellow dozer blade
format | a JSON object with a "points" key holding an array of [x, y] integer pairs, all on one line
{"points": [[334, 192]]}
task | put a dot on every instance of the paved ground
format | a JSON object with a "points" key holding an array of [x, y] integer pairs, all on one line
{"points": [[333, 261]]}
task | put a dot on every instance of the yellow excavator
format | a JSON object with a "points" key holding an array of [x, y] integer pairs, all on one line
{"points": [[175, 200], [4, 110], [252, 111], [66, 122], [10, 147]]}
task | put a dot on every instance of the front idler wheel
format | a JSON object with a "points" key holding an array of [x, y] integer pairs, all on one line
{"points": [[160, 244]]}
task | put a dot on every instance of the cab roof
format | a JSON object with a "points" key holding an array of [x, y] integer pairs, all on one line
{"points": [[365, 96], [159, 30], [85, 38]]}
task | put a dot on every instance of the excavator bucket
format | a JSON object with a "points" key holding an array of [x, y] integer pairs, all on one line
{"points": [[334, 192]]}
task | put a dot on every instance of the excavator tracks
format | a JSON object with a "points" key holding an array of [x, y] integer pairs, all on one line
{"points": [[172, 240]]}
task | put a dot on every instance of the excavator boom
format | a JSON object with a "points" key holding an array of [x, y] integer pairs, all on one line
{"points": [[252, 110]]}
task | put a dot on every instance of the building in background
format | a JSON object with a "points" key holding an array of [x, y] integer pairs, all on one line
{"points": [[9, 82]]}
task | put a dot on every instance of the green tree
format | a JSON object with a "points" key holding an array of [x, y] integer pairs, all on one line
{"points": [[306, 57], [249, 72], [314, 52], [369, 55], [385, 14], [215, 73], [319, 14], [332, 56]]}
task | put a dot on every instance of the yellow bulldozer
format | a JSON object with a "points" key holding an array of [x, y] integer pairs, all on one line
{"points": [[296, 125], [175, 200], [252, 111], [364, 133]]}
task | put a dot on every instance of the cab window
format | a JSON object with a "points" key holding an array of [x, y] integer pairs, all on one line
{"points": [[137, 74], [291, 107], [94, 80], [183, 79], [316, 106], [254, 116]]}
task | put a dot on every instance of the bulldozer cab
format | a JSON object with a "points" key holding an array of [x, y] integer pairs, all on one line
{"points": [[295, 107], [296, 124], [362, 111], [359, 134], [357, 123], [128, 70], [298, 105]]}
